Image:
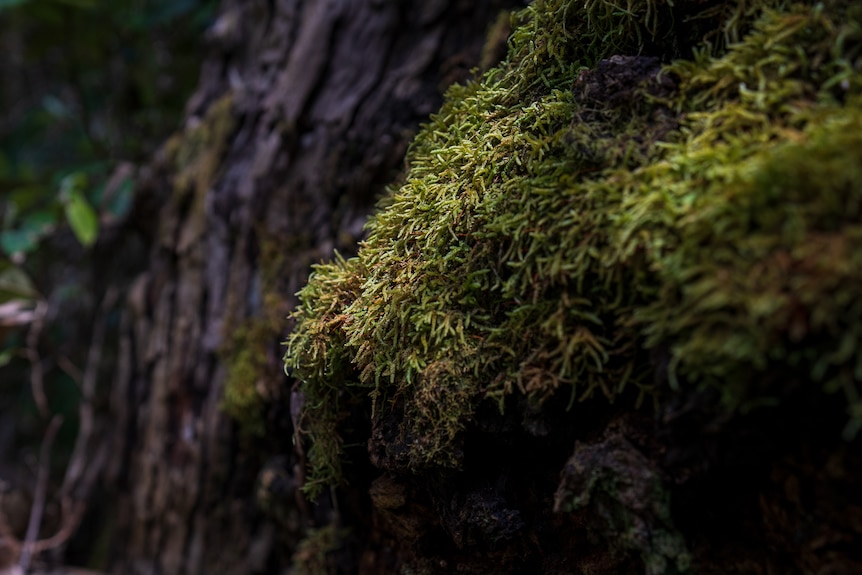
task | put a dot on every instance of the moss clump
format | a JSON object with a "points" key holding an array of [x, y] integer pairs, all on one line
{"points": [[253, 384], [195, 156], [197, 151], [315, 554], [550, 232], [247, 375]]}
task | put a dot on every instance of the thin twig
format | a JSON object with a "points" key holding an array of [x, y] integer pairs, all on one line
{"points": [[72, 513], [7, 538], [36, 374], [78, 461], [38, 508]]}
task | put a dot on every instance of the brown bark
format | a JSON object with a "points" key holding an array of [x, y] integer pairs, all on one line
{"points": [[303, 113]]}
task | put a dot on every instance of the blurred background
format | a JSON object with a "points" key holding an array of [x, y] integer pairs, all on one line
{"points": [[88, 88]]}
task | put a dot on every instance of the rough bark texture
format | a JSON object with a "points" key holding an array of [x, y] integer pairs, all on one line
{"points": [[303, 114]]}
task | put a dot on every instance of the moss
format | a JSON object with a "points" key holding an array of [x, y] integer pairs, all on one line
{"points": [[195, 156], [252, 385], [550, 234], [196, 152], [314, 555], [247, 376], [250, 350], [324, 353]]}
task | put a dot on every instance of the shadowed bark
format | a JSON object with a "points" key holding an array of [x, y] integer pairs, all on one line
{"points": [[303, 113]]}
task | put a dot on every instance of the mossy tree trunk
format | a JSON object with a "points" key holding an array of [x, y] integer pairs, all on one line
{"points": [[302, 115]]}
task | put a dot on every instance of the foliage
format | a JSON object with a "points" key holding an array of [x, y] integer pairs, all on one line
{"points": [[88, 84], [82, 92], [87, 89], [242, 398]]}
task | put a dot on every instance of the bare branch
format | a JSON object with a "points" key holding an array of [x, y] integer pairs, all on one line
{"points": [[38, 508], [32, 352], [73, 511], [10, 546], [79, 460]]}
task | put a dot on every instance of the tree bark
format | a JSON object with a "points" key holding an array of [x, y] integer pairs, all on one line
{"points": [[302, 116]]}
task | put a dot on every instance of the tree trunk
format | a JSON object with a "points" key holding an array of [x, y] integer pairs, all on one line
{"points": [[302, 116]]}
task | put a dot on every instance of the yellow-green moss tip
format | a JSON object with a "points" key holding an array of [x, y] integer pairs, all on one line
{"points": [[565, 214]]}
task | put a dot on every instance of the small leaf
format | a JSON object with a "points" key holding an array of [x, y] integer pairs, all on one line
{"points": [[6, 356], [40, 223], [18, 241], [14, 283], [27, 195], [72, 184], [82, 218]]}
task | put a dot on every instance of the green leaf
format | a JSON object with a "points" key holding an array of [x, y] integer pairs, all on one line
{"points": [[72, 184], [28, 196], [79, 213], [22, 235], [40, 223], [6, 356], [15, 283], [18, 241], [82, 218]]}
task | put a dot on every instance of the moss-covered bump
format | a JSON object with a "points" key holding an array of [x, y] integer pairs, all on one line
{"points": [[580, 206]]}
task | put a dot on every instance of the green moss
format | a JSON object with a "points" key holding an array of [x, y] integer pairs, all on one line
{"points": [[247, 376], [195, 155], [250, 349], [196, 152], [548, 234], [313, 555], [573, 213], [774, 291]]}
